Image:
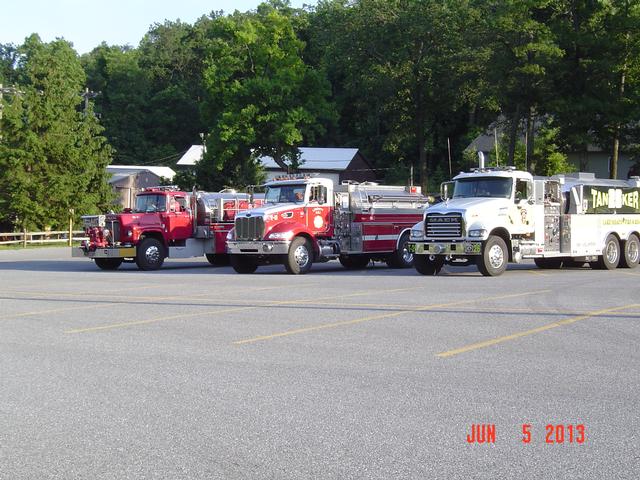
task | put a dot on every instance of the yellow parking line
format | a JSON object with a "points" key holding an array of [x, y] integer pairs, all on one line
{"points": [[235, 309], [543, 328], [378, 317]]}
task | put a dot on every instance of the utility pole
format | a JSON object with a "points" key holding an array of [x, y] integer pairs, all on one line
{"points": [[87, 94]]}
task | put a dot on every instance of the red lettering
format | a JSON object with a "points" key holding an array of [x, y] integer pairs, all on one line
{"points": [[526, 432]]}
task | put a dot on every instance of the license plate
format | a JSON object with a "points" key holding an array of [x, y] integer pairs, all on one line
{"points": [[411, 248], [472, 248]]}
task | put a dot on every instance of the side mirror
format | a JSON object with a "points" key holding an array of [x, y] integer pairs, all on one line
{"points": [[446, 190]]}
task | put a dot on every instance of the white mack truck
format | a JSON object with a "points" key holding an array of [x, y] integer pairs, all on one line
{"points": [[492, 216]]}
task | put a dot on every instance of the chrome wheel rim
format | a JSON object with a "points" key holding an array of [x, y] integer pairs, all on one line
{"points": [[152, 254], [496, 256], [301, 256], [407, 256], [611, 252], [633, 252]]}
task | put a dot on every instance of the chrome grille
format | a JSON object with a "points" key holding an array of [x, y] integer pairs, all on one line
{"points": [[249, 228], [114, 226], [443, 226]]}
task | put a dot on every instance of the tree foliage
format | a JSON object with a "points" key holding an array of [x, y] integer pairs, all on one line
{"points": [[52, 154]]}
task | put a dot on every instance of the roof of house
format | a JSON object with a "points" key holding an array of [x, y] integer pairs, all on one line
{"points": [[119, 170], [311, 158]]}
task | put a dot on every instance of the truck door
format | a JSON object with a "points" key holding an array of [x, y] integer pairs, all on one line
{"points": [[177, 219], [522, 215], [319, 211]]}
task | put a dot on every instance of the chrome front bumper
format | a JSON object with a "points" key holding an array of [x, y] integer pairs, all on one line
{"points": [[464, 247], [119, 252], [259, 247]]}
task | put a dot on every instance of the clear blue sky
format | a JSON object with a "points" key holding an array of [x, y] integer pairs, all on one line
{"points": [[86, 23]]}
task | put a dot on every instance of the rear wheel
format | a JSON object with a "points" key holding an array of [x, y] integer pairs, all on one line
{"points": [[631, 254], [300, 256], [354, 262], [219, 260], [402, 257], [150, 254], [494, 258], [610, 257], [243, 263], [424, 265], [108, 263]]}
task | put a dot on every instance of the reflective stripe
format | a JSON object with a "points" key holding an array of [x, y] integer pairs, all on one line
{"points": [[368, 238]]}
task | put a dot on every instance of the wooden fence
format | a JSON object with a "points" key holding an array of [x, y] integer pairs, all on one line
{"points": [[40, 238]]}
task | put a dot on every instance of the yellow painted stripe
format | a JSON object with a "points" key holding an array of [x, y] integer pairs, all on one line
{"points": [[533, 331], [235, 309], [378, 317]]}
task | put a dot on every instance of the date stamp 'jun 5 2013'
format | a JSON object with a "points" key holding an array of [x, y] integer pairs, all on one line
{"points": [[554, 434]]}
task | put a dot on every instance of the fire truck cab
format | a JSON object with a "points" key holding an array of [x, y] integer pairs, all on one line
{"points": [[306, 220]]}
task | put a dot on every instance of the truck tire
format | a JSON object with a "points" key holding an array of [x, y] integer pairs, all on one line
{"points": [[300, 257], [610, 257], [493, 260], [424, 265], [548, 263], [354, 262], [243, 263], [631, 254], [402, 257], [219, 259], [108, 263], [150, 254]]}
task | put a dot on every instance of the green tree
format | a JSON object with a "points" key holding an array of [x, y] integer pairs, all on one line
{"points": [[262, 99], [52, 155]]}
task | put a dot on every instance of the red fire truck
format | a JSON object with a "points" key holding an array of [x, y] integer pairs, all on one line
{"points": [[306, 220], [165, 222]]}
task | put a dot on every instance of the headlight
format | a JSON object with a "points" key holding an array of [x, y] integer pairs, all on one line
{"points": [[478, 233], [415, 234], [129, 233], [280, 236], [106, 232], [231, 235]]}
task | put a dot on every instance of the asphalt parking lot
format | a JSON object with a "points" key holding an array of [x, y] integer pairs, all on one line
{"points": [[196, 372]]}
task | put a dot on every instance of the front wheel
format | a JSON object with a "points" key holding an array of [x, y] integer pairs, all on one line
{"points": [[402, 257], [610, 257], [150, 255], [631, 254], [424, 265], [243, 263], [494, 258], [108, 263], [300, 256]]}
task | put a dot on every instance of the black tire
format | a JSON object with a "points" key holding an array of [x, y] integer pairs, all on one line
{"points": [[108, 263], [494, 258], [548, 263], [219, 259], [402, 257], [243, 263], [631, 254], [354, 262], [424, 265], [150, 254], [610, 257], [300, 257]]}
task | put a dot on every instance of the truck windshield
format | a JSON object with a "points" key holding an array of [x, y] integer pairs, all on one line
{"points": [[495, 187], [285, 194], [150, 203]]}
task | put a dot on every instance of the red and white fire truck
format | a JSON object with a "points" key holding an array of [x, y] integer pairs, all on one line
{"points": [[165, 222], [500, 215], [306, 220]]}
